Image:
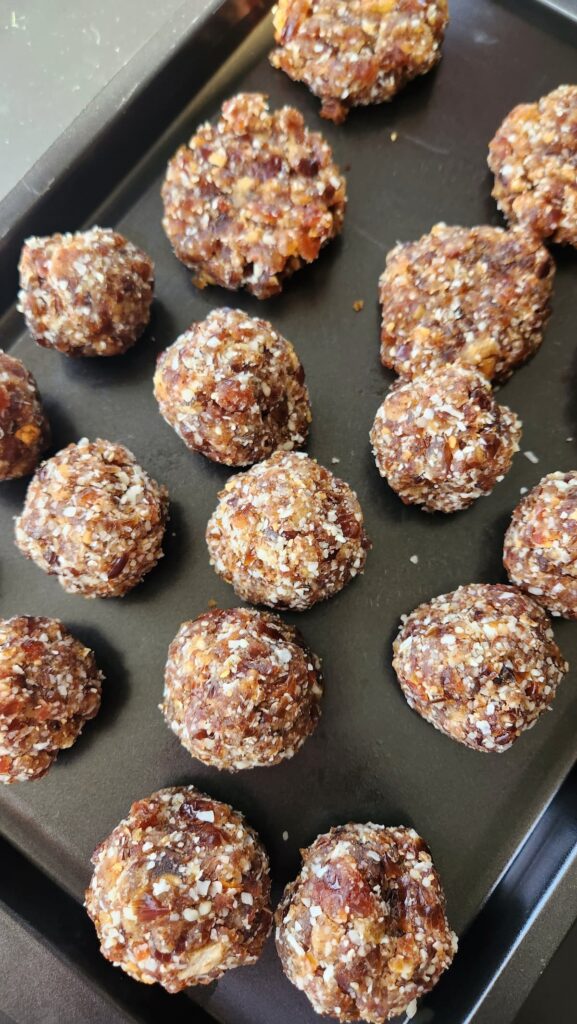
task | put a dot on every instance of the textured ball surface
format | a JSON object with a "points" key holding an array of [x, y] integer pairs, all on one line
{"points": [[24, 428]]}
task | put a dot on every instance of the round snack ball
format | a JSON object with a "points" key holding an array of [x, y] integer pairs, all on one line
{"points": [[362, 931], [252, 198], [24, 429], [534, 159], [541, 544], [49, 687], [233, 389], [476, 296], [86, 294], [441, 440], [287, 533], [480, 664], [93, 518], [241, 689], [180, 891], [357, 52]]}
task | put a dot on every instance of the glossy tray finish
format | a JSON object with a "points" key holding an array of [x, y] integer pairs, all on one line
{"points": [[371, 758]]}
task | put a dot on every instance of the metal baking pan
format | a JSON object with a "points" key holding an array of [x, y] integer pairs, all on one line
{"points": [[502, 828]]}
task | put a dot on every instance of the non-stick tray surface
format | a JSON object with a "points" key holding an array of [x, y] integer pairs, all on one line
{"points": [[371, 758]]}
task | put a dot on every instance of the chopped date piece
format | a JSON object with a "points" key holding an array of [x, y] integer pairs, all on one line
{"points": [[24, 428], [49, 687], [357, 52], [480, 664], [362, 931], [180, 891], [287, 533], [241, 689], [252, 198]]}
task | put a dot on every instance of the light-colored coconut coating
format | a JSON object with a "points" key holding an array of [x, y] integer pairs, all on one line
{"points": [[24, 428], [233, 389], [534, 159], [94, 519], [477, 296], [85, 294], [441, 440], [252, 198], [287, 533], [241, 689], [480, 664], [180, 891], [362, 931], [49, 687], [541, 544], [357, 52]]}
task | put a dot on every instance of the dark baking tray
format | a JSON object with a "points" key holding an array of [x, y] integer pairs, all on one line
{"points": [[502, 828]]}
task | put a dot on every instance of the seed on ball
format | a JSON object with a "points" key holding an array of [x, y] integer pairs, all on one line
{"points": [[24, 428]]}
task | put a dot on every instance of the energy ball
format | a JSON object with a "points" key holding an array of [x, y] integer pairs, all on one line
{"points": [[357, 52], [241, 689], [441, 440], [534, 159], [476, 296], [233, 389], [49, 687], [541, 544], [362, 931], [180, 891], [94, 519], [287, 533], [252, 198], [24, 429], [480, 664], [85, 294]]}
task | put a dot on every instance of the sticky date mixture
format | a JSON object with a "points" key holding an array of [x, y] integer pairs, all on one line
{"points": [[49, 687], [252, 198], [241, 689], [357, 52], [24, 428], [180, 891], [480, 664], [362, 931], [477, 296]]}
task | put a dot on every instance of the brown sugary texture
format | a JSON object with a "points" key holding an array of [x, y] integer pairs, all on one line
{"points": [[241, 689], [541, 544], [85, 294], [534, 159], [233, 389], [252, 198], [94, 519], [357, 52], [49, 687], [480, 664], [24, 428], [362, 931], [441, 440], [477, 296], [287, 533], [180, 891]]}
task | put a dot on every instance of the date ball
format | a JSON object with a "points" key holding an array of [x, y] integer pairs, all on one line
{"points": [[357, 52], [252, 198], [477, 296], [534, 159], [241, 689], [480, 664], [287, 533], [24, 429], [233, 389], [541, 544], [49, 687], [94, 519], [180, 891], [362, 931], [86, 294], [441, 440]]}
